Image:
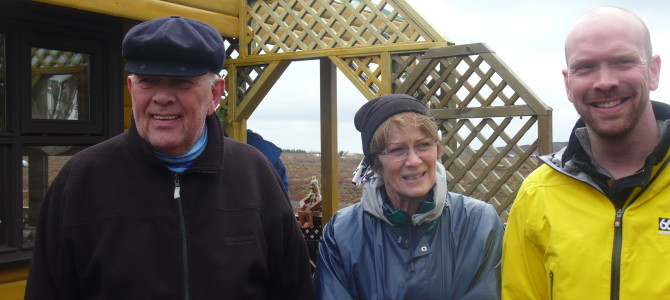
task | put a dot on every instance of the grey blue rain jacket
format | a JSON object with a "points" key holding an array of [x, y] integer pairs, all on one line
{"points": [[362, 256]]}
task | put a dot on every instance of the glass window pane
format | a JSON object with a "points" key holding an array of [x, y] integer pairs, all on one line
{"points": [[40, 166], [3, 93], [60, 85]]}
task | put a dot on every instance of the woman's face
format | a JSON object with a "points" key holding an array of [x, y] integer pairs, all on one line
{"points": [[408, 164]]}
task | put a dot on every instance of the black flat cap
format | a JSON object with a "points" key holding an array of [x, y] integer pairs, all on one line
{"points": [[376, 111], [173, 46]]}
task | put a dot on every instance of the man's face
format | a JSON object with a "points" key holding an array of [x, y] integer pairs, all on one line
{"points": [[170, 112], [609, 75]]}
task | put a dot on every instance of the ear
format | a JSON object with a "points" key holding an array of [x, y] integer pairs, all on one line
{"points": [[129, 83], [566, 81], [218, 87], [654, 72]]}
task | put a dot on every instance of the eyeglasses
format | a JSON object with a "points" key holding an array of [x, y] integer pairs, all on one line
{"points": [[400, 153]]}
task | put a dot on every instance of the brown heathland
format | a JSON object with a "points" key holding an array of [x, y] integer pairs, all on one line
{"points": [[302, 166]]}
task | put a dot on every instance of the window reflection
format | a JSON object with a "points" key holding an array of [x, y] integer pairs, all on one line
{"points": [[60, 85], [40, 166]]}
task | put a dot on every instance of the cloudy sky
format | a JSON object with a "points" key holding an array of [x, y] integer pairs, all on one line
{"points": [[527, 35]]}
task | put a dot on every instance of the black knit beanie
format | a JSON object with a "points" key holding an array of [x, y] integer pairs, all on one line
{"points": [[376, 111]]}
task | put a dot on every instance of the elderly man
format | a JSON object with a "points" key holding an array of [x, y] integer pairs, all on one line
{"points": [[592, 223], [170, 209]]}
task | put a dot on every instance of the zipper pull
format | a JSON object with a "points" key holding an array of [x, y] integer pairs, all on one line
{"points": [[177, 189], [618, 219]]}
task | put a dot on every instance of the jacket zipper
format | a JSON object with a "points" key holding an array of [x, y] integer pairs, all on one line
{"points": [[182, 226], [618, 221], [412, 244], [551, 285], [618, 236], [616, 254]]}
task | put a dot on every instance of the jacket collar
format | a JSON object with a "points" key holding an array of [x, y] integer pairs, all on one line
{"points": [[212, 158], [575, 162]]}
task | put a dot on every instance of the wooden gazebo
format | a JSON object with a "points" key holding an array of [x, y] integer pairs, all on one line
{"points": [[492, 124]]}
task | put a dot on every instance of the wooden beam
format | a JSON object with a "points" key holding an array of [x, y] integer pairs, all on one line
{"points": [[545, 134], [239, 131], [519, 87], [457, 50], [13, 274], [482, 112], [408, 12], [13, 282], [143, 10], [353, 78], [387, 84], [226, 7], [416, 77], [329, 155], [342, 52], [231, 100], [242, 34]]}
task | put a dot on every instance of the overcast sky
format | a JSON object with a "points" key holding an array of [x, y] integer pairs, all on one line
{"points": [[527, 35]]}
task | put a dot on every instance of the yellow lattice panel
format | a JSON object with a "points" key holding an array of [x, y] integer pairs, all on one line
{"points": [[487, 158], [299, 25], [364, 72], [47, 58], [490, 123], [246, 78]]}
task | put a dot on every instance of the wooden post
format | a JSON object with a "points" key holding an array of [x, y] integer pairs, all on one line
{"points": [[545, 134], [329, 155]]}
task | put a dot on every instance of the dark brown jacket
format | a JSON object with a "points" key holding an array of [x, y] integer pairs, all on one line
{"points": [[113, 226]]}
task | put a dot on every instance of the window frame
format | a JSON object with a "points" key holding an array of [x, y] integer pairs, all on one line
{"points": [[95, 123], [26, 24]]}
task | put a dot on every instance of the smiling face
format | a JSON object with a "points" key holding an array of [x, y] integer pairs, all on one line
{"points": [[170, 112], [409, 163], [610, 72]]}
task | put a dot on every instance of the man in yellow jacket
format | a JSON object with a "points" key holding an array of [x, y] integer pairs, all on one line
{"points": [[594, 221]]}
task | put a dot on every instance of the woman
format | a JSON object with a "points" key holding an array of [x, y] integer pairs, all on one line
{"points": [[408, 238], [310, 206]]}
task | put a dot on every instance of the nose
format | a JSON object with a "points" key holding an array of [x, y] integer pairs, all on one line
{"points": [[606, 80], [163, 96], [412, 157]]}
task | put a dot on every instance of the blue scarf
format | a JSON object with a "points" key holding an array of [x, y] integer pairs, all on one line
{"points": [[179, 164]]}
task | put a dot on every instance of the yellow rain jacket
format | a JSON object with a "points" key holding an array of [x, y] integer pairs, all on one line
{"points": [[574, 234]]}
